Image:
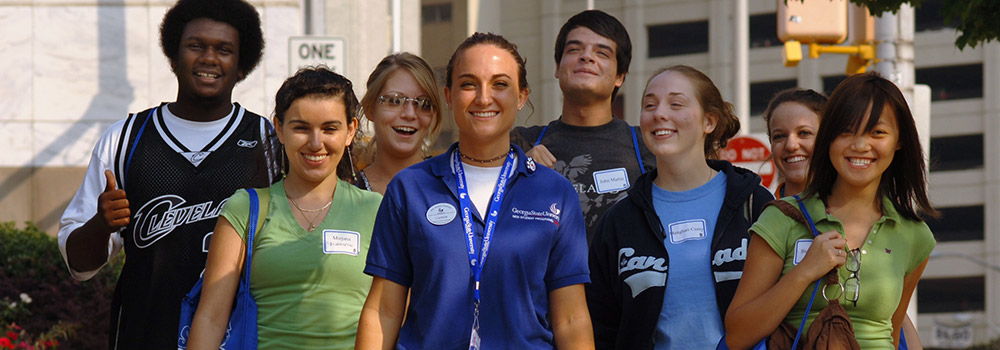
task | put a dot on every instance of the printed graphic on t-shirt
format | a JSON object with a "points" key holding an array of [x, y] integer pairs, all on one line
{"points": [[653, 270], [160, 216], [592, 201]]}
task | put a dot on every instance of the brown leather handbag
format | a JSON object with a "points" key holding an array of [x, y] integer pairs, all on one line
{"points": [[832, 329]]}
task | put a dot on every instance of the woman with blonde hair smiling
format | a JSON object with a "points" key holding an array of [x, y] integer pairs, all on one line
{"points": [[404, 106]]}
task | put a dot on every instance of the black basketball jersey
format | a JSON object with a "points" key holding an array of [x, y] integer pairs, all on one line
{"points": [[175, 195]]}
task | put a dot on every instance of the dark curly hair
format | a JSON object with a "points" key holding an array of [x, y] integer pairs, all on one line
{"points": [[237, 13], [320, 82]]}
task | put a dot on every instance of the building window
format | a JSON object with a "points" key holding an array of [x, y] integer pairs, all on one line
{"points": [[953, 82], [958, 224], [951, 294], [762, 92], [928, 16], [436, 13], [677, 38], [957, 152], [764, 31]]}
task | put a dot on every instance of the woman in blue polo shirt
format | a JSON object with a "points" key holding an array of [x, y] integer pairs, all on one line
{"points": [[490, 247]]}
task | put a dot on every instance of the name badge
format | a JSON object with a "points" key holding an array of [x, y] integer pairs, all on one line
{"points": [[475, 343], [611, 180], [341, 242], [801, 247], [687, 230], [441, 213]]}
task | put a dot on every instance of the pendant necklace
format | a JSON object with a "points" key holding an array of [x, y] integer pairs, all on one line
{"points": [[312, 226]]}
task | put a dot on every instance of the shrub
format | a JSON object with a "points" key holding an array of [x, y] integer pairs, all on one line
{"points": [[42, 302]]}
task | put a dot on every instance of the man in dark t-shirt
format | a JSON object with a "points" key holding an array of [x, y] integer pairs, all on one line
{"points": [[600, 154]]}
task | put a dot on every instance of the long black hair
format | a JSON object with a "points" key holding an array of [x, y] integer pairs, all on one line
{"points": [[905, 181]]}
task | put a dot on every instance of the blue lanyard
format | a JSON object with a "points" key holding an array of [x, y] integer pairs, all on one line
{"points": [[475, 260], [635, 145]]}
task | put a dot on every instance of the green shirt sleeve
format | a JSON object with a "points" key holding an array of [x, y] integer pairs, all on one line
{"points": [[923, 244], [237, 211], [774, 227]]}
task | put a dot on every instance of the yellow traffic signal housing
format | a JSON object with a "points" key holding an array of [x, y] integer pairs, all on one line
{"points": [[813, 21], [792, 54]]}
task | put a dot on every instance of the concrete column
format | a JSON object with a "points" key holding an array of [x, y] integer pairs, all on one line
{"points": [[741, 68], [635, 22], [991, 170]]}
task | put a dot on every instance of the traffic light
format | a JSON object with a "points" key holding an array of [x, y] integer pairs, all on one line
{"points": [[821, 24], [812, 21]]}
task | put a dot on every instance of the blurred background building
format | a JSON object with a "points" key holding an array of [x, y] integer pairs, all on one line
{"points": [[73, 67]]}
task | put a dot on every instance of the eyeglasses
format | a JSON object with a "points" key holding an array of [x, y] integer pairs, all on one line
{"points": [[852, 286], [396, 102]]}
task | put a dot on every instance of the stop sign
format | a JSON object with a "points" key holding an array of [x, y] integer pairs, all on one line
{"points": [[752, 152]]}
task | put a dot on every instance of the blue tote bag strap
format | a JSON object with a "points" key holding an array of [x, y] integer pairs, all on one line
{"points": [[812, 298], [762, 345], [242, 326]]}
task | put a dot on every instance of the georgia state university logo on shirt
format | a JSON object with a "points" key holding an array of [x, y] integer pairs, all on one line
{"points": [[552, 215], [653, 270], [161, 215]]}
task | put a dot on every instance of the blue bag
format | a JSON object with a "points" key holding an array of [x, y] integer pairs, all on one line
{"points": [[241, 332]]}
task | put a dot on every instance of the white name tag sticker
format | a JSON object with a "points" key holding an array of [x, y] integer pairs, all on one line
{"points": [[801, 247], [611, 180], [441, 213], [341, 242], [687, 230]]}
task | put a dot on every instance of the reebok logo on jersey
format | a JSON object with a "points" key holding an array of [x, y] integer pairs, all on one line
{"points": [[247, 144], [161, 215], [654, 274]]}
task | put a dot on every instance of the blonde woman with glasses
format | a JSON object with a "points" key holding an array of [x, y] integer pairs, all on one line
{"points": [[404, 106]]}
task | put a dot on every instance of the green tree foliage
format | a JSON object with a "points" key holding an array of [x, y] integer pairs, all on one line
{"points": [[978, 20]]}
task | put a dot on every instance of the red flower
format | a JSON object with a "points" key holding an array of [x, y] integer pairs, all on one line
{"points": [[48, 343], [12, 335], [4, 342]]}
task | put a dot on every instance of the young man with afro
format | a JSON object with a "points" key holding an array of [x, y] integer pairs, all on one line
{"points": [[158, 178]]}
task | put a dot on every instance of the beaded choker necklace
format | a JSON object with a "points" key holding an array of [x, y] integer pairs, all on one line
{"points": [[483, 161]]}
